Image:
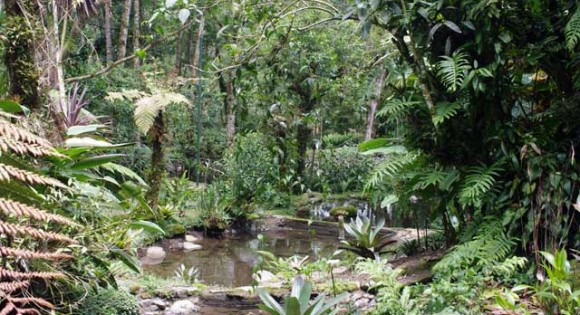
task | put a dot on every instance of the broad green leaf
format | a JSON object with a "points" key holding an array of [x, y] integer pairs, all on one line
{"points": [[147, 226], [78, 130], [11, 107], [128, 260], [95, 161]]}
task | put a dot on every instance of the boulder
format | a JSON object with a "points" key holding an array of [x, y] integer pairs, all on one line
{"points": [[153, 256], [187, 246], [182, 307], [191, 238]]}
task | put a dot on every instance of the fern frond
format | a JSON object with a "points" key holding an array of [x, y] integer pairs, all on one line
{"points": [[5, 273], [396, 107], [20, 141], [8, 287], [436, 177], [572, 30], [389, 169], [487, 252], [27, 254], [148, 107], [14, 229], [452, 70], [478, 182], [130, 95], [8, 173], [20, 210], [444, 111]]}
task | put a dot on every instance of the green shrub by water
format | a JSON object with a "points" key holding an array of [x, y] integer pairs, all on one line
{"points": [[108, 302]]}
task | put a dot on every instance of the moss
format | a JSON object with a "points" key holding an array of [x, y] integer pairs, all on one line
{"points": [[345, 211], [174, 229], [339, 285], [108, 302]]}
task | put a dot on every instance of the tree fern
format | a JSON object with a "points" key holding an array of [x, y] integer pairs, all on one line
{"points": [[478, 182], [452, 70], [572, 30], [148, 108]]}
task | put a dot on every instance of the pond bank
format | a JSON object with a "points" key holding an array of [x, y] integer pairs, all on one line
{"points": [[238, 297]]}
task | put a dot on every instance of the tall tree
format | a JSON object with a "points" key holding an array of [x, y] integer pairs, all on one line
{"points": [[124, 30], [137, 31], [108, 31], [378, 87]]}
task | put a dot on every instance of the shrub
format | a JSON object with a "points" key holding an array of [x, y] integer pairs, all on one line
{"points": [[339, 170], [347, 211], [108, 302], [251, 169]]}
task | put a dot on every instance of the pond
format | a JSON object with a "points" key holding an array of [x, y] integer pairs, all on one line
{"points": [[228, 261]]}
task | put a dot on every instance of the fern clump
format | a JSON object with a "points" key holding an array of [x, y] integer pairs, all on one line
{"points": [[28, 234], [108, 302]]}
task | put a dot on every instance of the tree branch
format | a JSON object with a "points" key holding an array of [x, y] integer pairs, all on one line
{"points": [[130, 57]]}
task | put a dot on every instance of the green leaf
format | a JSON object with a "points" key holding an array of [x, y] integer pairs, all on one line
{"points": [[92, 143], [11, 107], [147, 226], [78, 130], [95, 161], [444, 111], [128, 260]]}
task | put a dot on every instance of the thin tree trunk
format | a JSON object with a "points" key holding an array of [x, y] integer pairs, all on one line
{"points": [[230, 109], [137, 32], [108, 34], [19, 55], [178, 53], [157, 161], [379, 83], [60, 106], [124, 31]]}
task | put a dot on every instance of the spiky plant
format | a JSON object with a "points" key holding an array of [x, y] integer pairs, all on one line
{"points": [[28, 235]]}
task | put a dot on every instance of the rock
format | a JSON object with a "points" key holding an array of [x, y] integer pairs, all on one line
{"points": [[187, 246], [340, 270], [152, 304], [268, 279], [191, 238], [153, 256], [362, 304], [155, 252], [182, 307]]}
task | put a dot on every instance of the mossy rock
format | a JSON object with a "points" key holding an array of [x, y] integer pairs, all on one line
{"points": [[347, 211], [174, 229]]}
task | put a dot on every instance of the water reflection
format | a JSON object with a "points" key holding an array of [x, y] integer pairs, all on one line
{"points": [[228, 262]]}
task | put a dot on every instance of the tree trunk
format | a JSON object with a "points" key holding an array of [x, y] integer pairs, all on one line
{"points": [[178, 53], [137, 32], [124, 31], [157, 161], [379, 83], [303, 132], [19, 54], [108, 34]]}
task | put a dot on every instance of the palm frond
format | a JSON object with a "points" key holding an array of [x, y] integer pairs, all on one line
{"points": [[148, 107], [452, 70]]}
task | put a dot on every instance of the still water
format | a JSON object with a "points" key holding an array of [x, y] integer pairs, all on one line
{"points": [[228, 261]]}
